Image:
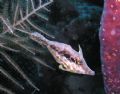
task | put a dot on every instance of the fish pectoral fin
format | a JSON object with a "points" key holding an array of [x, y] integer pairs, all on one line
{"points": [[62, 67]]}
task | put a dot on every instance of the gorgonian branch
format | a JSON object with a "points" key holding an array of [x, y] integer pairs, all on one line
{"points": [[5, 22], [7, 75], [21, 22], [16, 28], [11, 61], [6, 90]]}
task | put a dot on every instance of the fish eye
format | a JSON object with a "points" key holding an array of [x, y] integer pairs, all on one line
{"points": [[67, 55], [81, 62]]}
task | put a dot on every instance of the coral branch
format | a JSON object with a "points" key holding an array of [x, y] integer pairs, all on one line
{"points": [[2, 88], [31, 13], [7, 24], [4, 72], [18, 69]]}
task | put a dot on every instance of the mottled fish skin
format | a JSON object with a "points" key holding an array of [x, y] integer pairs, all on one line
{"points": [[69, 59]]}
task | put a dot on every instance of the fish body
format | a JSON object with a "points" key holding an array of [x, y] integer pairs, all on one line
{"points": [[69, 59]]}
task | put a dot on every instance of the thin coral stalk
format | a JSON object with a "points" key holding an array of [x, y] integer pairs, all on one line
{"points": [[11, 61], [4, 72], [6, 90]]}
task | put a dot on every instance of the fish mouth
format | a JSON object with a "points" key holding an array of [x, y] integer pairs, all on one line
{"points": [[88, 70], [79, 69], [92, 73]]}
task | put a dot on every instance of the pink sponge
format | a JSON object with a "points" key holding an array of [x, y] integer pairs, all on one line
{"points": [[110, 45]]}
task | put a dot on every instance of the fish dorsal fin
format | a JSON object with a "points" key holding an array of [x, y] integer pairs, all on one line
{"points": [[81, 54], [80, 50]]}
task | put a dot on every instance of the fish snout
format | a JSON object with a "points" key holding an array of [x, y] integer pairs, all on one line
{"points": [[90, 72]]}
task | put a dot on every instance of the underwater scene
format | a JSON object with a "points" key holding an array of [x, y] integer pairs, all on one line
{"points": [[59, 47]]}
